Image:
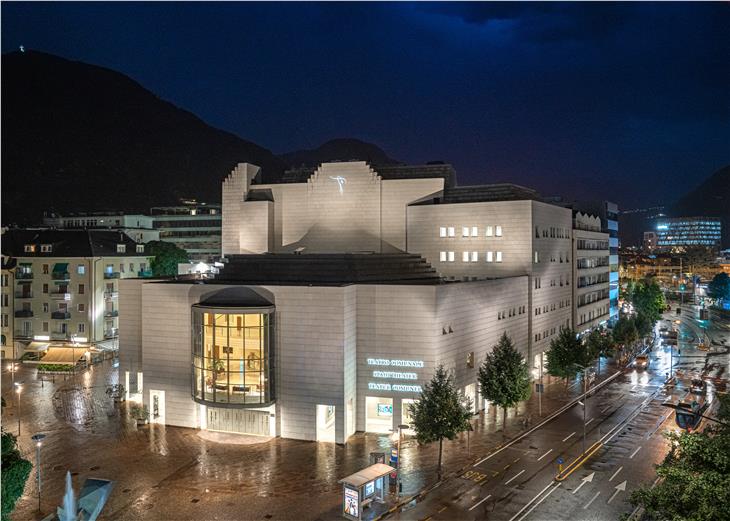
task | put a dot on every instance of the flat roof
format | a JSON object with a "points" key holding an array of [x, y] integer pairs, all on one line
{"points": [[368, 474]]}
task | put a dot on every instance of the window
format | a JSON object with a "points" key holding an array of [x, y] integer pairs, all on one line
{"points": [[537, 233], [474, 231], [140, 248], [29, 248], [45, 327], [451, 256], [81, 289], [5, 299], [490, 231], [45, 288], [465, 231], [442, 256], [46, 248], [81, 269], [465, 256], [45, 269], [499, 256], [537, 257], [82, 328], [121, 248], [121, 267], [489, 256], [474, 256], [45, 307], [131, 267], [442, 231], [4, 281], [498, 231], [452, 231]]}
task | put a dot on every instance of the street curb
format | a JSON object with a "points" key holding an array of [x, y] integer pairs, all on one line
{"points": [[496, 450]]}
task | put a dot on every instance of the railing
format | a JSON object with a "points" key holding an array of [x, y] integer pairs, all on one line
{"points": [[110, 294], [23, 333], [112, 313], [111, 333], [23, 275], [60, 275], [144, 273], [60, 295], [23, 294], [60, 315], [111, 274], [23, 313], [59, 335]]}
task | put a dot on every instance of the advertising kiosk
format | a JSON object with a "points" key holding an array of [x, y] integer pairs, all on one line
{"points": [[362, 488]]}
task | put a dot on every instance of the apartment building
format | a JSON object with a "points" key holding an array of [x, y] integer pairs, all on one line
{"points": [[591, 273], [137, 226], [61, 286], [194, 227]]}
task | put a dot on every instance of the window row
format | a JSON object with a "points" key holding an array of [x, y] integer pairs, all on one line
{"points": [[473, 256], [471, 231], [519, 310], [553, 258], [552, 233], [48, 248], [593, 314]]}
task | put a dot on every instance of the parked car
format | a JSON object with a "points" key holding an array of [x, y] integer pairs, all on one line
{"points": [[698, 386], [641, 362]]}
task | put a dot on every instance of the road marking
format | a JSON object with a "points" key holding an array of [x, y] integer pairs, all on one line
{"points": [[569, 435], [515, 461], [634, 453], [615, 473], [548, 452], [514, 477], [529, 502], [508, 466], [619, 488], [589, 421], [585, 507], [538, 503], [585, 480], [480, 502], [442, 509]]}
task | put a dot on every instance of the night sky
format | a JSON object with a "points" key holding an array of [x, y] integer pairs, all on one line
{"points": [[629, 102]]}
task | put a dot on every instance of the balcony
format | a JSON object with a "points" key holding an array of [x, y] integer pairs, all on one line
{"points": [[111, 333], [23, 333], [111, 274], [60, 295], [24, 313], [60, 275], [144, 273], [23, 294], [111, 313], [110, 294], [60, 315], [23, 275], [59, 335]]}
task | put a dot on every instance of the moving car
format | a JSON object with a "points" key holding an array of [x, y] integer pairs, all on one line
{"points": [[698, 386], [641, 362]]}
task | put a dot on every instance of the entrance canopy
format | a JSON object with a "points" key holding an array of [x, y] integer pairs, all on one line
{"points": [[368, 474], [37, 346], [63, 355]]}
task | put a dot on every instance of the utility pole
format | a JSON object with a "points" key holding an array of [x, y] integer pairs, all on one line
{"points": [[539, 393], [38, 439]]}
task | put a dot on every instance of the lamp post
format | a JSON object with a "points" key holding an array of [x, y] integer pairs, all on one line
{"points": [[38, 439], [399, 434], [585, 400], [18, 389]]}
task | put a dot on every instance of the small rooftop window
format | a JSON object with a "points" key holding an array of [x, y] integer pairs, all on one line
{"points": [[140, 248], [29, 248], [46, 248], [121, 248]]}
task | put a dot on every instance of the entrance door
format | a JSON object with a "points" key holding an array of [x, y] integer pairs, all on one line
{"points": [[157, 406], [238, 420], [326, 423], [378, 414]]}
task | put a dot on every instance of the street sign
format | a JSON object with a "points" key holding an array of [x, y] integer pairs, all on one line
{"points": [[560, 460]]}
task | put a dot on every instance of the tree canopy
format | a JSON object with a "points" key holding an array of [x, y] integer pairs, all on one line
{"points": [[566, 353], [719, 287], [599, 343], [441, 411], [648, 300], [624, 331], [504, 378], [165, 258], [694, 477], [15, 472]]}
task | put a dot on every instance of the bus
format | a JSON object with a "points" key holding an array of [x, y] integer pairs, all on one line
{"points": [[689, 413]]}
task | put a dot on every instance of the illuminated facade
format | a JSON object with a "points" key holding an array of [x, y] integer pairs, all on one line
{"points": [[688, 231], [343, 288]]}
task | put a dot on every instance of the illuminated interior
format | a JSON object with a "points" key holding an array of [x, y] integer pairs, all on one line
{"points": [[232, 356]]}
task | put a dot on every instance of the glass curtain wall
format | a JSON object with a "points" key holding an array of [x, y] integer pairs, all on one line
{"points": [[232, 357]]}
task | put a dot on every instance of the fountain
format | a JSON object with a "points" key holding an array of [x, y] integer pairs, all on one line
{"points": [[69, 512], [93, 497]]}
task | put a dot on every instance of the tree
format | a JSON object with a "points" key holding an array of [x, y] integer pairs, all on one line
{"points": [[624, 332], [441, 411], [565, 355], [15, 472], [165, 258], [503, 377], [643, 325], [648, 299], [599, 344], [719, 287], [694, 477]]}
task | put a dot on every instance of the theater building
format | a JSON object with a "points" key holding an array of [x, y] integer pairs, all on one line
{"points": [[343, 288]]}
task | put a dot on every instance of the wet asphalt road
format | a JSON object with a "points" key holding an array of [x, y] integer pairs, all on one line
{"points": [[627, 418]]}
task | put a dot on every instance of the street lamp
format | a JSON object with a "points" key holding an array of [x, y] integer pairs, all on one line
{"points": [[38, 439], [18, 389], [585, 400], [396, 437]]}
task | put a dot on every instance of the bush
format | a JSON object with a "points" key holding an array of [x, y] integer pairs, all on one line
{"points": [[63, 368], [15, 472]]}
